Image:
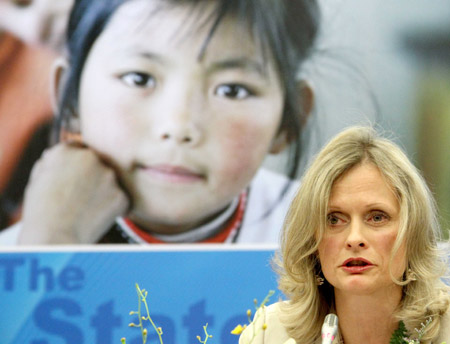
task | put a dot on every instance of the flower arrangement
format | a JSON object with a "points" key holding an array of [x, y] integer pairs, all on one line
{"points": [[239, 328], [143, 314], [142, 303], [400, 336]]}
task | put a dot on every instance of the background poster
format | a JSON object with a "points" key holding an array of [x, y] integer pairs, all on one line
{"points": [[85, 295]]}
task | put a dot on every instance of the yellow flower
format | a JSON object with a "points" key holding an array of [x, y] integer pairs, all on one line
{"points": [[238, 330]]}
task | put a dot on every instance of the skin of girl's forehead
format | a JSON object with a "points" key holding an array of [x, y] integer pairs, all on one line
{"points": [[189, 25], [180, 130]]}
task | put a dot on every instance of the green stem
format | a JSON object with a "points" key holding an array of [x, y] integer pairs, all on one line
{"points": [[144, 299]]}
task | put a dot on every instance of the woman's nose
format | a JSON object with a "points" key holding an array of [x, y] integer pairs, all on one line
{"points": [[356, 238]]}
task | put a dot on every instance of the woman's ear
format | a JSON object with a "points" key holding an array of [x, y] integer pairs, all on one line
{"points": [[305, 100]]}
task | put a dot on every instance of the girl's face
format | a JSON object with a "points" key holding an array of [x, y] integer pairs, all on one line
{"points": [[186, 133]]}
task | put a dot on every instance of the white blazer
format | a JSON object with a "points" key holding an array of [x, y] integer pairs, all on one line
{"points": [[275, 333]]}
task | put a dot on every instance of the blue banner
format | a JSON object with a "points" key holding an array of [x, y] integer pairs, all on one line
{"points": [[75, 297]]}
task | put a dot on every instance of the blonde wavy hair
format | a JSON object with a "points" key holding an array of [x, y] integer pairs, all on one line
{"points": [[298, 265]]}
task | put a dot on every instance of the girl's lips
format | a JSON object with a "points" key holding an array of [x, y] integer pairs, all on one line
{"points": [[356, 265], [176, 174]]}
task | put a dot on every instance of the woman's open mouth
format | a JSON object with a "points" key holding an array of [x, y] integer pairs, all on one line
{"points": [[356, 265]]}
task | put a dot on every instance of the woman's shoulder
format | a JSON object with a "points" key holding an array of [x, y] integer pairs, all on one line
{"points": [[444, 335], [266, 327], [273, 311]]}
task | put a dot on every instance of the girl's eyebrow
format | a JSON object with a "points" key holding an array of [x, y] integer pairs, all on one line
{"points": [[152, 56], [238, 63], [242, 63]]}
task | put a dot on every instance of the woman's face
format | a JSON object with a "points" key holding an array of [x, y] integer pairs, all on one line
{"points": [[186, 133], [362, 225]]}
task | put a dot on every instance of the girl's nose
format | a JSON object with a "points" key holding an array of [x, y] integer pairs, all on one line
{"points": [[184, 134], [181, 124], [356, 238]]}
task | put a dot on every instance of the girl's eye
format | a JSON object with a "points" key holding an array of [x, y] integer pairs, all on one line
{"points": [[233, 91], [334, 219], [138, 79]]}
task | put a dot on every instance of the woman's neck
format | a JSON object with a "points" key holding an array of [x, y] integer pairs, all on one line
{"points": [[368, 318]]}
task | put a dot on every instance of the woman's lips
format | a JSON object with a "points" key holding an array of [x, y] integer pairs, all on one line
{"points": [[176, 174], [356, 265]]}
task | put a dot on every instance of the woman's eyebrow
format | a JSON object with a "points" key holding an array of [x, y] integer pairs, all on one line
{"points": [[238, 63], [381, 206]]}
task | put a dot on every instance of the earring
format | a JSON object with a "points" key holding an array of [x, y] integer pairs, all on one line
{"points": [[410, 275], [319, 280]]}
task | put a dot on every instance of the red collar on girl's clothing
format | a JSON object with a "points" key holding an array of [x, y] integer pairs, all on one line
{"points": [[228, 233]]}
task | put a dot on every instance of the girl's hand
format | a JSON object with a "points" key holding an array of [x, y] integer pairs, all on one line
{"points": [[41, 22], [71, 198]]}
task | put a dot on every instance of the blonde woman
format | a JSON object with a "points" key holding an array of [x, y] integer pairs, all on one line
{"points": [[360, 241]]}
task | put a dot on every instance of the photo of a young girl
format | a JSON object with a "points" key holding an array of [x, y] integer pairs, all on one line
{"points": [[166, 111]]}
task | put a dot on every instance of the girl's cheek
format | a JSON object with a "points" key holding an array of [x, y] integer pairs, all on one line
{"points": [[112, 137], [243, 147]]}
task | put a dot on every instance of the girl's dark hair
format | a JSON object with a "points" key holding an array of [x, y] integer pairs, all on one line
{"points": [[285, 28]]}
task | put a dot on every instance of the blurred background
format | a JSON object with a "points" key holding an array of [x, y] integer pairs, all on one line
{"points": [[31, 38], [386, 63]]}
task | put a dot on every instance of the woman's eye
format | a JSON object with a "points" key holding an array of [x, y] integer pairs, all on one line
{"points": [[334, 220], [233, 91], [378, 217], [138, 79]]}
